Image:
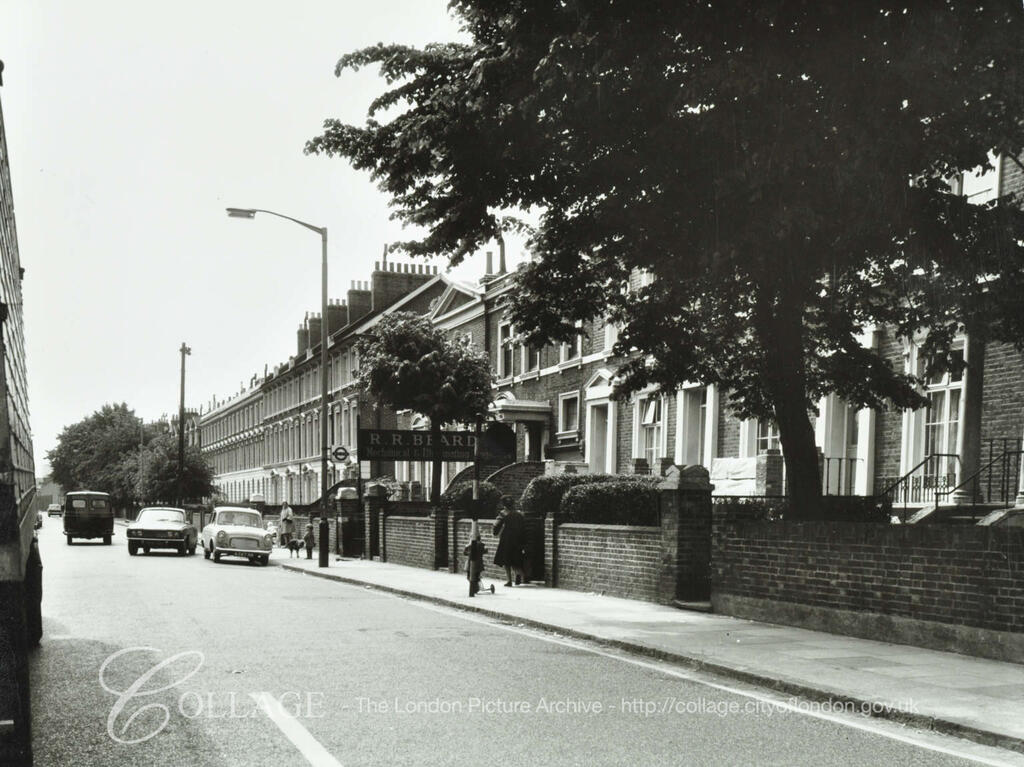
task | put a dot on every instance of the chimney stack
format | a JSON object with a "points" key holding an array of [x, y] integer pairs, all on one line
{"points": [[303, 339], [490, 264]]}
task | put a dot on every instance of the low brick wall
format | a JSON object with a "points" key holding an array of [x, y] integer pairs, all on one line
{"points": [[615, 560], [409, 541], [942, 586]]}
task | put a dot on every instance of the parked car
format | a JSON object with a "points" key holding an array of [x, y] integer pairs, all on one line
{"points": [[235, 531], [53, 510], [162, 527]]}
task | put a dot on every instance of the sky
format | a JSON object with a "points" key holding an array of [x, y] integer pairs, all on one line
{"points": [[130, 127]]}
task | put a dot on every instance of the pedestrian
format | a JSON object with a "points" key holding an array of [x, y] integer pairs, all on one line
{"points": [[510, 526], [287, 523], [310, 539]]}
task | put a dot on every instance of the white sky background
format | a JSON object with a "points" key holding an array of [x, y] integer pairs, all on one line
{"points": [[130, 127]]}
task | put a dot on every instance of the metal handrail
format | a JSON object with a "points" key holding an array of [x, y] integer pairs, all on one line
{"points": [[999, 458], [922, 462]]}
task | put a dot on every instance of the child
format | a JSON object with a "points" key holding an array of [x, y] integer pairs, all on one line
{"points": [[310, 539]]}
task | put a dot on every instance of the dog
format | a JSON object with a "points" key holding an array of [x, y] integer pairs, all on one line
{"points": [[294, 547]]}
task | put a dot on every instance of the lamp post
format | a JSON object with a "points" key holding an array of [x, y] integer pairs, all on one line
{"points": [[185, 351], [324, 447]]}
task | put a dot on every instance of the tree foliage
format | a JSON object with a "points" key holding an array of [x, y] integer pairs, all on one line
{"points": [[408, 363], [782, 166], [112, 451], [157, 473], [90, 454]]}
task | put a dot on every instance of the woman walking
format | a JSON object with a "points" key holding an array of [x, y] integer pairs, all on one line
{"points": [[510, 526]]}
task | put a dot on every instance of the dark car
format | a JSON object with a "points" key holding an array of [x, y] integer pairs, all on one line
{"points": [[161, 527]]}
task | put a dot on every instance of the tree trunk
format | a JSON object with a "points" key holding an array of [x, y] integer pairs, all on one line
{"points": [[782, 336], [435, 479]]}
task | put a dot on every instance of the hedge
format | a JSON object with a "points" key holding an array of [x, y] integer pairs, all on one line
{"points": [[459, 498], [632, 501], [543, 495]]}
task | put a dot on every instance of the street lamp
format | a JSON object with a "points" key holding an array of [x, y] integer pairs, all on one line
{"points": [[324, 448]]}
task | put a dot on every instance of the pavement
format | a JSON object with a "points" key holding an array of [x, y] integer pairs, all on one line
{"points": [[974, 698]]}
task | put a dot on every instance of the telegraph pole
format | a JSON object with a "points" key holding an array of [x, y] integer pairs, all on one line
{"points": [[185, 351]]}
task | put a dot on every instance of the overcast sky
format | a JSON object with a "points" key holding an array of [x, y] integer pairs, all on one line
{"points": [[130, 127]]}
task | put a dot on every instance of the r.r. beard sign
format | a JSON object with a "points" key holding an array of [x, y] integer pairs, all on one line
{"points": [[396, 445]]}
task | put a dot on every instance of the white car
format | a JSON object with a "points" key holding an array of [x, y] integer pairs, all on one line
{"points": [[237, 532]]}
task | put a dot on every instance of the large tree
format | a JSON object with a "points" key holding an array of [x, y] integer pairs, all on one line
{"points": [[156, 470], [90, 454], [783, 167], [112, 451], [408, 363]]}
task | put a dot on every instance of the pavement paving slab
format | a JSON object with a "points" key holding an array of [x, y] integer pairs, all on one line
{"points": [[975, 698]]}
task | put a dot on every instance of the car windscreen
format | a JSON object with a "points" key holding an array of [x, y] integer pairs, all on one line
{"points": [[161, 515], [242, 518]]}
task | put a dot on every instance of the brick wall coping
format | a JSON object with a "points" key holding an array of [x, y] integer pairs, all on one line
{"points": [[611, 528]]}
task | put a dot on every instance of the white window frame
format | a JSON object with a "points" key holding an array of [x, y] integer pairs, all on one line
{"points": [[640, 413], [915, 422], [506, 344], [563, 429]]}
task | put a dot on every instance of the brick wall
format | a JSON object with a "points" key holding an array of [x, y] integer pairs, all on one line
{"points": [[901, 583], [409, 541], [615, 560]]}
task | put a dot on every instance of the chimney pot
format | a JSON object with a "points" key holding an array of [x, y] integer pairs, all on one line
{"points": [[376, 266], [501, 255], [490, 264]]}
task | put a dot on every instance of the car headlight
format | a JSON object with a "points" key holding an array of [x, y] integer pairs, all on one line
{"points": [[222, 538], [268, 541]]}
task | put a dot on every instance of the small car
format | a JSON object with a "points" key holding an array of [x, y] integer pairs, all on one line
{"points": [[236, 531], [53, 510], [162, 527]]}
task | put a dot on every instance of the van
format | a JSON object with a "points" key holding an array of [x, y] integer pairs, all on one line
{"points": [[88, 514]]}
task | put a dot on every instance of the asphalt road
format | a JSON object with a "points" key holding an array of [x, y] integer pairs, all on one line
{"points": [[188, 657]]}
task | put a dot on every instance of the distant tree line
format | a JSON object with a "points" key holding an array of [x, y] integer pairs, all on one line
{"points": [[113, 451]]}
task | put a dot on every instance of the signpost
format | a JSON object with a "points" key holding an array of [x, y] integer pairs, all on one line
{"points": [[339, 454]]}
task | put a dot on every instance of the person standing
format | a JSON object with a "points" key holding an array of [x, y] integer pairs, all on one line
{"points": [[287, 523], [510, 526], [309, 538]]}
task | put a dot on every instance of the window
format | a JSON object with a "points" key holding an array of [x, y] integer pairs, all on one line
{"points": [[767, 437], [568, 413], [942, 418], [505, 350], [531, 359], [981, 184], [651, 429], [571, 351]]}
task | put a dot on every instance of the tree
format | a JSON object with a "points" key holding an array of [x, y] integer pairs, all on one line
{"points": [[157, 472], [89, 454], [410, 364], [782, 166]]}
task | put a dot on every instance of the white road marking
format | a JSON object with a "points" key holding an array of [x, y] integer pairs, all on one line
{"points": [[308, 746], [883, 728]]}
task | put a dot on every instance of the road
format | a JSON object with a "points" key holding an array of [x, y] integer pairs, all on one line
{"points": [[188, 657]]}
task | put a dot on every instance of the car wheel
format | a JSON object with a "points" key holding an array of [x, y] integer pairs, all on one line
{"points": [[216, 554], [106, 540], [192, 548], [69, 540], [206, 551], [145, 549], [183, 549], [265, 560], [133, 548]]}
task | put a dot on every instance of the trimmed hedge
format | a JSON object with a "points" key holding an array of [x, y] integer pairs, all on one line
{"points": [[830, 508], [543, 495], [459, 497], [632, 501]]}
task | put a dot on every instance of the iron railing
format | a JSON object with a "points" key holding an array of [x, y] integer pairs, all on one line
{"points": [[923, 484], [995, 484]]}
